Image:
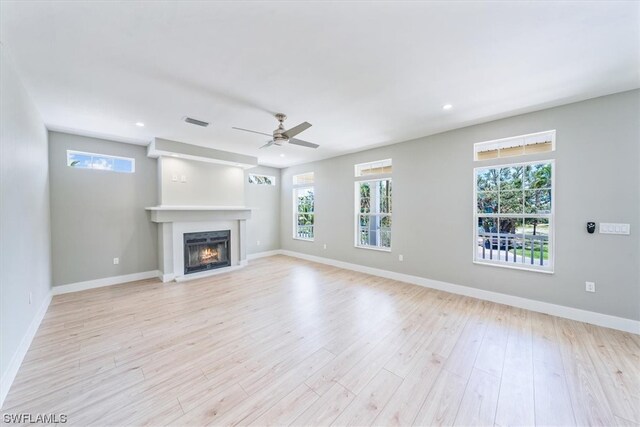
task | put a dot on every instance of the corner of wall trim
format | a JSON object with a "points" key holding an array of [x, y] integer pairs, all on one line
{"points": [[599, 319], [107, 281], [16, 361]]}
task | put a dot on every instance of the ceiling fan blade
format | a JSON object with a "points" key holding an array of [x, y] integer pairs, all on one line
{"points": [[296, 129], [268, 144], [252, 131], [303, 143]]}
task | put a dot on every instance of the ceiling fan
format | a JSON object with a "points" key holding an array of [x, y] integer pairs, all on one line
{"points": [[280, 135]]}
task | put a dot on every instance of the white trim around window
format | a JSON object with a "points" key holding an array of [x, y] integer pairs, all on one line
{"points": [[493, 247], [373, 223], [303, 202]]}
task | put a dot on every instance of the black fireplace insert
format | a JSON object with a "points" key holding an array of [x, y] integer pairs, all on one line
{"points": [[206, 250]]}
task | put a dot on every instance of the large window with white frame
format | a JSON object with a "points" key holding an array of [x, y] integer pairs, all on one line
{"points": [[514, 215], [303, 206], [373, 205]]}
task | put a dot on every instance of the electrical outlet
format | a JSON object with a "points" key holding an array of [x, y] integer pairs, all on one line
{"points": [[183, 178], [400, 257], [116, 261], [590, 286], [324, 246], [174, 178]]}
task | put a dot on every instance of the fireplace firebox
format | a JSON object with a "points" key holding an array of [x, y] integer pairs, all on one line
{"points": [[206, 250]]}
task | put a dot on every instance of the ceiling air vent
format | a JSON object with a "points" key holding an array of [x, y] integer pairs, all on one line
{"points": [[196, 122]]}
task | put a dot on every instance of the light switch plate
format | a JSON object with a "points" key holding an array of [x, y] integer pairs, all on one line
{"points": [[614, 228]]}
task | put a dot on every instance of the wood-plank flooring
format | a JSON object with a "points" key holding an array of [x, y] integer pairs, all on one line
{"points": [[290, 342]]}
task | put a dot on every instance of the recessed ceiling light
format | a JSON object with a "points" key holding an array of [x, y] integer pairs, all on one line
{"points": [[447, 107], [140, 124], [282, 155]]}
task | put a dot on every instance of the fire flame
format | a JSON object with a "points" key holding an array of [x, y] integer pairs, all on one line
{"points": [[208, 254]]}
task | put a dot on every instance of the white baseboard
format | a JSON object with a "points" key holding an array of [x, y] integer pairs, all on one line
{"points": [[21, 351], [264, 254], [606, 320], [107, 281], [209, 273], [166, 277]]}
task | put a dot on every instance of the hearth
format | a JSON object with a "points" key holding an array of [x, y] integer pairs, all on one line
{"points": [[206, 250]]}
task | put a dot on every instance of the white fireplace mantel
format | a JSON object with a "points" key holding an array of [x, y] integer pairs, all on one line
{"points": [[174, 221], [198, 213]]}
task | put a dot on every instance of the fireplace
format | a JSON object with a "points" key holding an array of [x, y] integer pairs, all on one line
{"points": [[206, 250]]}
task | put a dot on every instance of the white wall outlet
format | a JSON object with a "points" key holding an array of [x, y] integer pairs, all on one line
{"points": [[30, 297], [258, 243], [174, 177], [116, 261], [324, 246], [590, 286], [400, 257], [183, 178]]}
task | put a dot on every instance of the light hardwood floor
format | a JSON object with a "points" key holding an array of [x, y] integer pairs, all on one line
{"points": [[286, 341]]}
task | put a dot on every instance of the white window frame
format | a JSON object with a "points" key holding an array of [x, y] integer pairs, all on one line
{"points": [[296, 188], [512, 141], [272, 178], [551, 217], [371, 178], [86, 153]]}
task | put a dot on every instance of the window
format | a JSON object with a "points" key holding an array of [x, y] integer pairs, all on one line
{"points": [[303, 206], [262, 179], [513, 219], [303, 179], [540, 142], [374, 168], [373, 205], [80, 160]]}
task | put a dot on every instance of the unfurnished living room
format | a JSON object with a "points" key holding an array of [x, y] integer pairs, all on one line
{"points": [[315, 213]]}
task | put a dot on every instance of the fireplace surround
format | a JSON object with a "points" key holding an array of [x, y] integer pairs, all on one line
{"points": [[174, 222]]}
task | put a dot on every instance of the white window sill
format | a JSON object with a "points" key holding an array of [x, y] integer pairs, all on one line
{"points": [[372, 248], [514, 267], [303, 239]]}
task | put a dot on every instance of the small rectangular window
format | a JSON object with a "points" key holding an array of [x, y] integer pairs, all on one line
{"points": [[378, 167], [522, 145], [303, 206], [303, 179], [262, 179], [82, 160]]}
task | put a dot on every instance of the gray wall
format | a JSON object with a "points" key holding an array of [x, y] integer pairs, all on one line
{"points": [[264, 225], [25, 246], [99, 215], [207, 184], [597, 179]]}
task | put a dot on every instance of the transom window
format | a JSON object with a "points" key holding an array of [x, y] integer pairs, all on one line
{"points": [[513, 218], [82, 160], [374, 205], [374, 168], [540, 142], [303, 206], [262, 179]]}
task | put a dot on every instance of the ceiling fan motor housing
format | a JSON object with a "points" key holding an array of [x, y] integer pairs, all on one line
{"points": [[278, 137]]}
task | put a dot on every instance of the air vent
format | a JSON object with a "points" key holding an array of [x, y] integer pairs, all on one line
{"points": [[196, 122]]}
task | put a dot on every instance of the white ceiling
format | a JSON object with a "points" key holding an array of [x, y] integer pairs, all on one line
{"points": [[363, 73]]}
